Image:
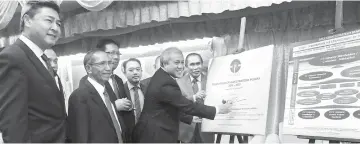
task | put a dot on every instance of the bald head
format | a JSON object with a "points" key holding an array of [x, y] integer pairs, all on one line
{"points": [[50, 53]]}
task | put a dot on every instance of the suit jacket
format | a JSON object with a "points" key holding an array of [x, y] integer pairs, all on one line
{"points": [[159, 120], [130, 116], [89, 120], [145, 84], [126, 116], [32, 109], [186, 132]]}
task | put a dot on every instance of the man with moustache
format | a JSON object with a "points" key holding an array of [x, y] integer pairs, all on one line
{"points": [[32, 108], [92, 115], [134, 89], [160, 117], [193, 86], [122, 103], [53, 59]]}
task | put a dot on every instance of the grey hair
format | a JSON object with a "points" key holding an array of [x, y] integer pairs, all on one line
{"points": [[165, 55], [88, 59]]}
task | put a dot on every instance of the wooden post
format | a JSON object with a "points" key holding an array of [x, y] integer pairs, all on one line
{"points": [[338, 14], [242, 33]]}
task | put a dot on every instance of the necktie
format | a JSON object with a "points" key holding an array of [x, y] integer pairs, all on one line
{"points": [[60, 85], [137, 103], [48, 65], [195, 86], [112, 115], [116, 90]]}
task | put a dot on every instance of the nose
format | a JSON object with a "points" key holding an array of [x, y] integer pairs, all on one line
{"points": [[108, 66], [55, 28]]}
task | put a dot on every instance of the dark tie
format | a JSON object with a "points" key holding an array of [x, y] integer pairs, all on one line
{"points": [[195, 88], [112, 115], [60, 85], [137, 103], [116, 90], [48, 65]]}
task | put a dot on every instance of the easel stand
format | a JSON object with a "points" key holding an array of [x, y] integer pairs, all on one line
{"points": [[312, 139], [242, 138]]}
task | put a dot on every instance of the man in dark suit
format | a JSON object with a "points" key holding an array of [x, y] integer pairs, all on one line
{"points": [[145, 82], [134, 89], [193, 86], [122, 103], [92, 116], [32, 107], [164, 103], [53, 59]]}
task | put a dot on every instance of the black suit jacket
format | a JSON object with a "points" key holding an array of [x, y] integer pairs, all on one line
{"points": [[32, 109], [145, 84], [89, 120], [127, 116], [159, 120]]}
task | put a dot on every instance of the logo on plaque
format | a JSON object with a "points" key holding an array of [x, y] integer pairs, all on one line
{"points": [[235, 66]]}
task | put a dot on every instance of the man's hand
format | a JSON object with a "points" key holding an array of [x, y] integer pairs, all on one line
{"points": [[196, 119], [123, 104], [224, 108], [200, 95]]}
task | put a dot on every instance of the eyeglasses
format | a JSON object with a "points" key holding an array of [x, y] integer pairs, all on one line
{"points": [[103, 64], [114, 53]]}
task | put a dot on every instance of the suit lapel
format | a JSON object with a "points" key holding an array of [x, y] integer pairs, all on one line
{"points": [[189, 86], [37, 63], [95, 96], [142, 87], [127, 91]]}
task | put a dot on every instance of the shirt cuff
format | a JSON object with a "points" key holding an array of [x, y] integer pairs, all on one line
{"points": [[194, 98], [216, 110]]}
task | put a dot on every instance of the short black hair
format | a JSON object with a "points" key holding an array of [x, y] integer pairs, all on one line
{"points": [[102, 43], [131, 59], [35, 5], [192, 54]]}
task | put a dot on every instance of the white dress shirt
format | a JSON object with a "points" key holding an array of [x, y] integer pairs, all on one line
{"points": [[132, 94], [37, 51], [111, 84], [34, 48], [100, 89]]}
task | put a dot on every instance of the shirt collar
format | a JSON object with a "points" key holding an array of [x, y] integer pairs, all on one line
{"points": [[130, 85], [99, 88], [35, 48], [198, 79]]}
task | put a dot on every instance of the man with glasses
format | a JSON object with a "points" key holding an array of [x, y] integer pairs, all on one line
{"points": [[92, 115], [32, 107], [122, 103], [134, 90]]}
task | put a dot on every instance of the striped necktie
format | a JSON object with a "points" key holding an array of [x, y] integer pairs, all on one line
{"points": [[113, 117]]}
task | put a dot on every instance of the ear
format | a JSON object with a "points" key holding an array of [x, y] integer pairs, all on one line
{"points": [[27, 20], [88, 69]]}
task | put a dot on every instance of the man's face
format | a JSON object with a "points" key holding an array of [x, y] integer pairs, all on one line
{"points": [[53, 58], [194, 66], [44, 26], [133, 72], [114, 54], [100, 67], [175, 65]]}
